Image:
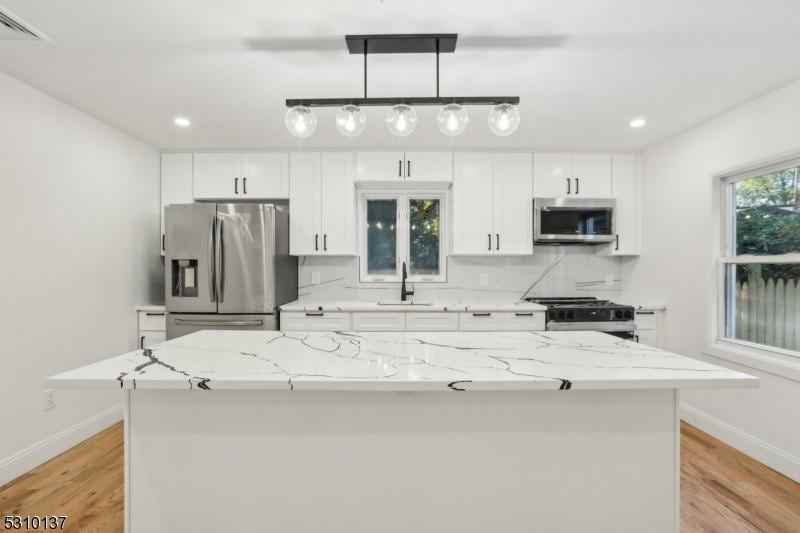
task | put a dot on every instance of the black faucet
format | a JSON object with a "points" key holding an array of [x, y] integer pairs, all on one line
{"points": [[403, 291]]}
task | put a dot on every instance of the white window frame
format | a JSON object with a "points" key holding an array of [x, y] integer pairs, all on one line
{"points": [[727, 259], [403, 243]]}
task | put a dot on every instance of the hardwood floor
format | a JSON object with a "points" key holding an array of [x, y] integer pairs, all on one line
{"points": [[722, 490]]}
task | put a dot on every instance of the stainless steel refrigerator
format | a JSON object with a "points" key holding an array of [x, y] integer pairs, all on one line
{"points": [[227, 266]]}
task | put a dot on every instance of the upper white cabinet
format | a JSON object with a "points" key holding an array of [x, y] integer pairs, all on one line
{"points": [[254, 176], [492, 204], [558, 174], [625, 189], [176, 184], [393, 168], [322, 204]]}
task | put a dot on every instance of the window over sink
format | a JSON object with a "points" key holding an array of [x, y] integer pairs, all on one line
{"points": [[402, 228], [760, 263]]}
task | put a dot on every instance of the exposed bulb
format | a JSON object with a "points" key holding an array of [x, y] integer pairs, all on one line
{"points": [[351, 120], [301, 121], [401, 120], [504, 119], [452, 120]]}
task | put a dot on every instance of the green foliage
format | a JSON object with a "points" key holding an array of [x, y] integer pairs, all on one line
{"points": [[424, 224]]}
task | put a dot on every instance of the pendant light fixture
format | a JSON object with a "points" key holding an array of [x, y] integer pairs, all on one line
{"points": [[401, 119], [351, 120]]}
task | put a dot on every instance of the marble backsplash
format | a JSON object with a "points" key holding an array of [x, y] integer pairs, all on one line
{"points": [[550, 271]]}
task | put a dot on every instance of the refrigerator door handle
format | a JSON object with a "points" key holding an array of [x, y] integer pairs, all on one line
{"points": [[184, 322], [220, 270], [212, 260]]}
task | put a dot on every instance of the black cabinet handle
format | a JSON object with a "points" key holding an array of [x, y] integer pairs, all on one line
{"points": [[163, 243], [645, 312], [481, 314], [399, 168], [154, 314], [236, 185], [616, 247], [523, 314], [408, 168], [490, 240], [316, 241], [636, 337], [315, 314], [497, 244], [325, 242], [577, 186], [141, 342], [244, 185], [568, 187]]}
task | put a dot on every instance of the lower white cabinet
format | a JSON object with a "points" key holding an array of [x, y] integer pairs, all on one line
{"points": [[315, 321], [380, 321], [647, 328], [152, 328], [502, 321], [431, 321]]}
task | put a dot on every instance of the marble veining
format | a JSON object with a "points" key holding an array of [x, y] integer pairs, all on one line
{"points": [[435, 361]]}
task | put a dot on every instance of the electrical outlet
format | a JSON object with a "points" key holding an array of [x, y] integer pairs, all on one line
{"points": [[610, 280], [315, 278], [484, 279], [49, 399]]}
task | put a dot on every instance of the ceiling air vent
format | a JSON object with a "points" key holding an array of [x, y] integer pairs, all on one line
{"points": [[12, 27]]}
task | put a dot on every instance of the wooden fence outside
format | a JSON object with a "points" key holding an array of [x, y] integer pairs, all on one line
{"points": [[768, 312]]}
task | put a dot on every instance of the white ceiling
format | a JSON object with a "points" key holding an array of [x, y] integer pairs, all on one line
{"points": [[583, 68]]}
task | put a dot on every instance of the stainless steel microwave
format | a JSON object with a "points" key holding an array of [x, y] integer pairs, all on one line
{"points": [[573, 220]]}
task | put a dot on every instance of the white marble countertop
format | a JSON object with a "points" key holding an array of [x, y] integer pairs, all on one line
{"points": [[151, 308], [441, 361], [440, 306]]}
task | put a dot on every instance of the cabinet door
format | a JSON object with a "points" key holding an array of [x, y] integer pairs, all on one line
{"points": [[624, 188], [647, 337], [176, 184], [552, 175], [265, 175], [217, 176], [429, 166], [379, 321], [148, 339], [473, 204], [591, 175], [380, 166], [315, 321], [338, 228], [513, 204], [305, 203]]}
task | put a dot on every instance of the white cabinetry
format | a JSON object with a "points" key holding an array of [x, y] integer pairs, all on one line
{"points": [[560, 174], [176, 184], [492, 204], [502, 321], [412, 321], [152, 328], [383, 168], [379, 321], [647, 328], [315, 321], [322, 204], [429, 321], [237, 176], [627, 214]]}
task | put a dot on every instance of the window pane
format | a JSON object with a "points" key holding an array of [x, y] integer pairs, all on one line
{"points": [[768, 214], [381, 237], [424, 226], [763, 303]]}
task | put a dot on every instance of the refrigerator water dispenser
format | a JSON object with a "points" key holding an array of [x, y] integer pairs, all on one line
{"points": [[184, 277]]}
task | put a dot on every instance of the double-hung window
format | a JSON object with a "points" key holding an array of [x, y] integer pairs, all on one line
{"points": [[760, 263], [402, 228]]}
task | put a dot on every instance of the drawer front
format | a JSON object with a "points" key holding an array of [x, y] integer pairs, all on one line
{"points": [[525, 321], [481, 321], [315, 321], [646, 320], [152, 321], [148, 339], [648, 337], [379, 321], [431, 321]]}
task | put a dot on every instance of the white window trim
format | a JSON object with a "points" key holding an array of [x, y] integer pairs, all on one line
{"points": [[402, 235], [720, 345]]}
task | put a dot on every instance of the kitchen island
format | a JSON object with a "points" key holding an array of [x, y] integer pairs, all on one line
{"points": [[399, 432]]}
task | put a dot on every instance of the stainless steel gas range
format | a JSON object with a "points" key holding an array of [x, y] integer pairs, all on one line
{"points": [[588, 314]]}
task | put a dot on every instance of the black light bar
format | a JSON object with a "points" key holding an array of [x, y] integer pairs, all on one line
{"points": [[410, 100]]}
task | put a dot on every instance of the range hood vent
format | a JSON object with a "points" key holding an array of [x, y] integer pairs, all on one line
{"points": [[13, 28]]}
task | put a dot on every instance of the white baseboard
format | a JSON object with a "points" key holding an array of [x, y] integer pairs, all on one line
{"points": [[776, 458], [44, 450]]}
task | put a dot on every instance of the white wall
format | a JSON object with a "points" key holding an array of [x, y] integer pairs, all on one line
{"points": [[677, 267], [80, 233]]}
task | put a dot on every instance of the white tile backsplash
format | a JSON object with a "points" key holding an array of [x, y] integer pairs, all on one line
{"points": [[555, 270]]}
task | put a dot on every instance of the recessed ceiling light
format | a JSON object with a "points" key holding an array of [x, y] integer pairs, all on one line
{"points": [[183, 122], [638, 123]]}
